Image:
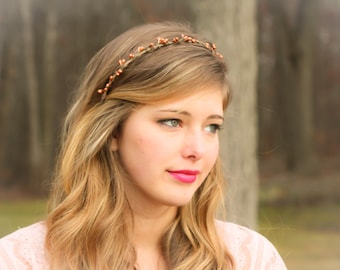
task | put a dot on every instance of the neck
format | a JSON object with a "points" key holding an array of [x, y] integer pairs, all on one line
{"points": [[150, 225]]}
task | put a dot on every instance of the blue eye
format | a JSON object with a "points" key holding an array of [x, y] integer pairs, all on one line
{"points": [[213, 128], [170, 122]]}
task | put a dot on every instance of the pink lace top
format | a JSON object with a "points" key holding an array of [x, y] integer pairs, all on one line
{"points": [[24, 249]]}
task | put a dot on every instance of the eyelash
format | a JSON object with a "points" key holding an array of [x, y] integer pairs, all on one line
{"points": [[216, 127], [170, 122], [167, 121]]}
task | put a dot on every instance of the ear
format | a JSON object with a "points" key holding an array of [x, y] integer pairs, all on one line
{"points": [[114, 144]]}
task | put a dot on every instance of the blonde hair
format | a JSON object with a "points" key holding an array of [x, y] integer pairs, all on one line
{"points": [[90, 221]]}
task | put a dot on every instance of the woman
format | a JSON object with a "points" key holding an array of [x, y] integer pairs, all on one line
{"points": [[138, 180]]}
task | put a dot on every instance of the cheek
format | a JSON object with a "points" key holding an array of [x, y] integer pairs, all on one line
{"points": [[144, 149], [147, 145], [154, 149], [213, 155]]}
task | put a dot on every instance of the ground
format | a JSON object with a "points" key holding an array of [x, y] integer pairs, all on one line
{"points": [[300, 214]]}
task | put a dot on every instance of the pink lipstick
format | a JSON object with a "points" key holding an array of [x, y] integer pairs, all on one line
{"points": [[185, 176]]}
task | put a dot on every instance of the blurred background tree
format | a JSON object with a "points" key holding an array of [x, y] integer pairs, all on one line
{"points": [[294, 44], [284, 117], [298, 94]]}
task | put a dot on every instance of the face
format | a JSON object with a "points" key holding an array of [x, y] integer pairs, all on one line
{"points": [[168, 149]]}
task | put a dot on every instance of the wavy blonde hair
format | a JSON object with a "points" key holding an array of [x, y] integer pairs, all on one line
{"points": [[90, 221]]}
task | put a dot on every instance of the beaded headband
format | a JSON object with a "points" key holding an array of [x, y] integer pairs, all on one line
{"points": [[161, 42]]}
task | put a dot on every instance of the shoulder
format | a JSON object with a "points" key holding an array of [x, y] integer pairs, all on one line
{"points": [[24, 248], [250, 249]]}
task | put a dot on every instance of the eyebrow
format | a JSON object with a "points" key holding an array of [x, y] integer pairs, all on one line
{"points": [[213, 116]]}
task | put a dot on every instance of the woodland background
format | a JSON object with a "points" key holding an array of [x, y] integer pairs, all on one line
{"points": [[281, 142]]}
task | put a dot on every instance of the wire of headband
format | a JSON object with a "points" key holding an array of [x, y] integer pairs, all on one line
{"points": [[161, 42]]}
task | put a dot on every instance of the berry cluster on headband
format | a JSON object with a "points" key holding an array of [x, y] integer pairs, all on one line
{"points": [[161, 42]]}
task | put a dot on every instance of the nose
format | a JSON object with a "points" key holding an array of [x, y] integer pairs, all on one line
{"points": [[194, 145]]}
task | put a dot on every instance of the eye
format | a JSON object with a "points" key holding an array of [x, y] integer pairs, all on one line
{"points": [[171, 122], [213, 128]]}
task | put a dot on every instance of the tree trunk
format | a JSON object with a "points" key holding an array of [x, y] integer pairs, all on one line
{"points": [[13, 100], [294, 44], [30, 75], [306, 156], [49, 93], [232, 25]]}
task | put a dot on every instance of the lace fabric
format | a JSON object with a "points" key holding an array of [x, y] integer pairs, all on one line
{"points": [[251, 250], [24, 249]]}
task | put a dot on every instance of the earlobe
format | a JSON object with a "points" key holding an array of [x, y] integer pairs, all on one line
{"points": [[114, 144]]}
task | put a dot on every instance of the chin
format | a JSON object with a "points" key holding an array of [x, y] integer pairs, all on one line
{"points": [[176, 199], [178, 203]]}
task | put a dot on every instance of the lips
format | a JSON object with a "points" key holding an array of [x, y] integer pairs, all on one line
{"points": [[185, 176]]}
